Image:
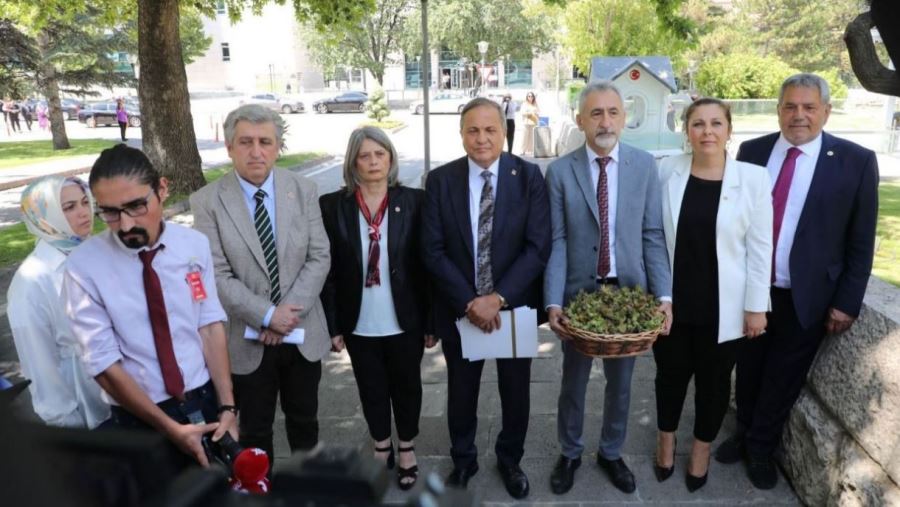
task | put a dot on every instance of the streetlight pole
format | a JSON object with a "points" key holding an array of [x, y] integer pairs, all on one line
{"points": [[426, 82], [482, 48]]}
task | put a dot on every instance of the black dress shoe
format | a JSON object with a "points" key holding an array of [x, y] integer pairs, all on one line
{"points": [[618, 473], [563, 475], [663, 473], [459, 477], [731, 450], [514, 479], [762, 473], [693, 482]]}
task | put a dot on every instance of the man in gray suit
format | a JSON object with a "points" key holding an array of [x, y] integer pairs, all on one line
{"points": [[606, 218], [271, 256]]}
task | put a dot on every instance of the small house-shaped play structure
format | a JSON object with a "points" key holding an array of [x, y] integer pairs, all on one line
{"points": [[646, 83]]}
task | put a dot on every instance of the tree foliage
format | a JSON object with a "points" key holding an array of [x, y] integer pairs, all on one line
{"points": [[18, 57], [618, 28], [368, 44], [742, 76]]}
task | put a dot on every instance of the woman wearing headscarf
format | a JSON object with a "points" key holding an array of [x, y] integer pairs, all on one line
{"points": [[59, 212]]}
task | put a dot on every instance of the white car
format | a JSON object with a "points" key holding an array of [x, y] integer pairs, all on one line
{"points": [[284, 103], [442, 103]]}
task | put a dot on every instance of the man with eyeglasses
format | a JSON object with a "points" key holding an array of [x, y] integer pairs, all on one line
{"points": [[142, 300]]}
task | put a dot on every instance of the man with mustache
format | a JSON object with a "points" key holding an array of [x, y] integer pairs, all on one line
{"points": [[142, 300], [825, 200], [607, 229]]}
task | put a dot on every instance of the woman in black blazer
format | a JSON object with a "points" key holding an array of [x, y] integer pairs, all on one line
{"points": [[375, 298]]}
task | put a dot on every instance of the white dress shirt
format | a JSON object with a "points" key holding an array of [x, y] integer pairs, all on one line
{"points": [[612, 192], [511, 108], [476, 182], [803, 175], [106, 302], [62, 392], [377, 315]]}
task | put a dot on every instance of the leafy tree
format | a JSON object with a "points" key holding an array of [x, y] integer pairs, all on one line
{"points": [[18, 55], [742, 76], [377, 106], [619, 28], [370, 44]]}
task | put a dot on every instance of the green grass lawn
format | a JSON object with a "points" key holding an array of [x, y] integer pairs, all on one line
{"points": [[17, 153], [16, 242], [887, 246]]}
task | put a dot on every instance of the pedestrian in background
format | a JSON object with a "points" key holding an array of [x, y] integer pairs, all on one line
{"points": [[26, 112], [121, 117], [43, 119], [14, 109], [530, 112], [510, 108]]}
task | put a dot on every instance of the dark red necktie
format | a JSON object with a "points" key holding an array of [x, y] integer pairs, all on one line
{"points": [[780, 196], [603, 262], [373, 275], [159, 322]]}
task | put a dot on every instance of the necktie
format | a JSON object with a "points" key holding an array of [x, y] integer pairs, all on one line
{"points": [[485, 278], [159, 323], [373, 274], [267, 242], [780, 195], [603, 262]]}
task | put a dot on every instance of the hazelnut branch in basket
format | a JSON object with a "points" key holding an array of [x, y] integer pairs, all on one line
{"points": [[612, 310]]}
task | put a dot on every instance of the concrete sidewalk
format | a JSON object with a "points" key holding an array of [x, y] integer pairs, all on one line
{"points": [[342, 423]]}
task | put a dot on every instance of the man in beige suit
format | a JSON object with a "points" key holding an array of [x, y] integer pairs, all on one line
{"points": [[271, 257]]}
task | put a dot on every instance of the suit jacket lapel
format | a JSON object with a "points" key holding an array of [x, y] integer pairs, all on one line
{"points": [[581, 170], [822, 176], [349, 222], [235, 205], [675, 187], [459, 196], [625, 188], [287, 206], [731, 184], [396, 213], [507, 186]]}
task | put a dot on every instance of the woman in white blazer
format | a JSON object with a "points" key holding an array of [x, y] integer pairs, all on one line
{"points": [[717, 216]]}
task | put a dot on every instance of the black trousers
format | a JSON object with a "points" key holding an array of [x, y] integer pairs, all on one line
{"points": [[387, 371], [122, 126], [510, 134], [14, 121], [202, 399], [693, 351], [283, 371], [463, 383], [771, 370]]}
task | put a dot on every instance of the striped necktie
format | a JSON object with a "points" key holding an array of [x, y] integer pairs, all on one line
{"points": [[267, 242]]}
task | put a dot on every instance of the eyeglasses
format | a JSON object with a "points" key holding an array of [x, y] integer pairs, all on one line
{"points": [[136, 208]]}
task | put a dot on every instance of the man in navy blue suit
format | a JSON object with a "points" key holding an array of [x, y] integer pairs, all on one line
{"points": [[486, 241], [825, 201]]}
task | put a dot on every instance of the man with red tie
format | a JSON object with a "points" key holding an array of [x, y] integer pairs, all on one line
{"points": [[143, 304], [825, 202]]}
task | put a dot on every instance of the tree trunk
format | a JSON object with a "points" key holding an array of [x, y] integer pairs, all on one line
{"points": [[168, 127], [872, 74], [50, 88]]}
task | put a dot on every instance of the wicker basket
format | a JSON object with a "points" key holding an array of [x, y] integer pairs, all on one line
{"points": [[611, 345]]}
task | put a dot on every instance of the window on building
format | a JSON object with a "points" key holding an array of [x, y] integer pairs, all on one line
{"points": [[226, 52], [356, 75], [518, 73], [220, 7]]}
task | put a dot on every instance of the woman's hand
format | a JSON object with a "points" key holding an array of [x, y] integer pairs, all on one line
{"points": [[337, 343], [754, 324], [430, 341]]}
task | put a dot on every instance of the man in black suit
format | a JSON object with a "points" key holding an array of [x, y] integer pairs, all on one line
{"points": [[486, 241], [825, 200]]}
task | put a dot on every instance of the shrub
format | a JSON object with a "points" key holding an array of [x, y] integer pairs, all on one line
{"points": [[742, 76], [376, 106]]}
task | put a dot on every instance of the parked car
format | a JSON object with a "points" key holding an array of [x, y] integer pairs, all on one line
{"points": [[348, 101], [104, 113], [70, 107], [442, 103], [285, 103]]}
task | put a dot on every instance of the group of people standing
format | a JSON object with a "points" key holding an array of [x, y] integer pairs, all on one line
{"points": [[753, 261], [14, 111]]}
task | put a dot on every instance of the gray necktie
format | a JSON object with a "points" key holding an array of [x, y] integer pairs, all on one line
{"points": [[485, 278]]}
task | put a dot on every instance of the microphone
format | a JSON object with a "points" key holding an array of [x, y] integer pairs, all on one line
{"points": [[248, 466]]}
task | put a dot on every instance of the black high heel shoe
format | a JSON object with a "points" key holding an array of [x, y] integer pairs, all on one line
{"points": [[407, 473], [390, 458], [664, 473], [694, 483]]}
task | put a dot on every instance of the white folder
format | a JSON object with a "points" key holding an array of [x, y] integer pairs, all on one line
{"points": [[517, 336], [296, 336]]}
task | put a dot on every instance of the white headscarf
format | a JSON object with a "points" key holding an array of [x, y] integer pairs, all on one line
{"points": [[43, 214]]}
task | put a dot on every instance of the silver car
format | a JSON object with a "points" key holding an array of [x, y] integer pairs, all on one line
{"points": [[284, 103]]}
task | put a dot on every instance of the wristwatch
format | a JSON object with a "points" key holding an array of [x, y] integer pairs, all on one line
{"points": [[228, 408], [502, 300]]}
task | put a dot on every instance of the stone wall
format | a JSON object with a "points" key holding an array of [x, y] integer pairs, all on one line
{"points": [[842, 441]]}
